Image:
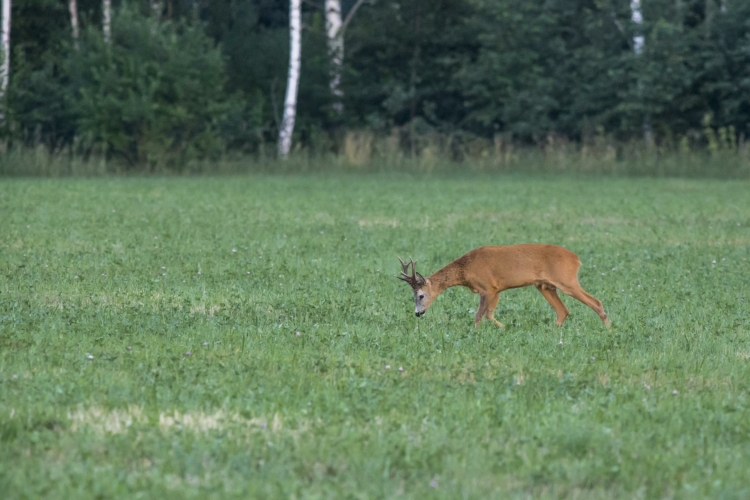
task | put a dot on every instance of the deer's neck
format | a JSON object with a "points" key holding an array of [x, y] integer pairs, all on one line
{"points": [[450, 275]]}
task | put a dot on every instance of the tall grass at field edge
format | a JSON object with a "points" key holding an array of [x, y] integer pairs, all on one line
{"points": [[363, 152]]}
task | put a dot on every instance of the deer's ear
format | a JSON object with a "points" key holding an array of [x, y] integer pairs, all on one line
{"points": [[421, 280]]}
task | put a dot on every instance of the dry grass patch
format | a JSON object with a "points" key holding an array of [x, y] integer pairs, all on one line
{"points": [[378, 222], [118, 421]]}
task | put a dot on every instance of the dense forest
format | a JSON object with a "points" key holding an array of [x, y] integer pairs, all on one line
{"points": [[206, 78]]}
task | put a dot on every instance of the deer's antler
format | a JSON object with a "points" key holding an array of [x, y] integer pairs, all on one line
{"points": [[415, 280]]}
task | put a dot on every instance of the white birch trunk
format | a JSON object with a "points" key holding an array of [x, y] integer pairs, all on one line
{"points": [[73, 8], [107, 20], [639, 41], [156, 9], [290, 101], [335, 52], [5, 68]]}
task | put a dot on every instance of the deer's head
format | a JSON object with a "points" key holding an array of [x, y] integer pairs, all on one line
{"points": [[423, 294]]}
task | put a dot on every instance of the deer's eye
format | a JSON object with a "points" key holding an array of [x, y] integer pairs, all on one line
{"points": [[421, 295]]}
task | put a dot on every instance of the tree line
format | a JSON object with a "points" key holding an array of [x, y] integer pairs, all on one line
{"points": [[147, 80]]}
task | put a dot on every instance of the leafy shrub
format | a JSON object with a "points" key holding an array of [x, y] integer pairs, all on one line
{"points": [[154, 95]]}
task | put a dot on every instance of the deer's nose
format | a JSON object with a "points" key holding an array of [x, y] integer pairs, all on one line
{"points": [[418, 314]]}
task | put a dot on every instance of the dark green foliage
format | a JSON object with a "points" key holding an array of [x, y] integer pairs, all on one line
{"points": [[572, 69], [201, 78], [155, 94], [255, 42], [158, 89], [402, 62], [560, 73]]}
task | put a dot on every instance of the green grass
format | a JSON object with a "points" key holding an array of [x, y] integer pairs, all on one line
{"points": [[139, 272]]}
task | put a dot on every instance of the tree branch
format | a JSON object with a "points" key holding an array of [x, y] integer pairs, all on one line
{"points": [[350, 15], [620, 28]]}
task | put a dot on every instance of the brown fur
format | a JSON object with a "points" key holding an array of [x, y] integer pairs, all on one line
{"points": [[489, 270]]}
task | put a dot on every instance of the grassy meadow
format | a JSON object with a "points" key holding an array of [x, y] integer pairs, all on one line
{"points": [[245, 337]]}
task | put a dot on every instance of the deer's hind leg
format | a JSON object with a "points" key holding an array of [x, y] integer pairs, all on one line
{"points": [[578, 293], [550, 293], [487, 304]]}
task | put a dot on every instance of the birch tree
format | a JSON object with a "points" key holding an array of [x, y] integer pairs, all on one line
{"points": [[335, 29], [639, 41], [335, 52], [5, 68], [73, 8], [292, 85], [107, 20]]}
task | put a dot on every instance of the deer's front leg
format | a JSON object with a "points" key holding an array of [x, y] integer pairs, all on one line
{"points": [[480, 310]]}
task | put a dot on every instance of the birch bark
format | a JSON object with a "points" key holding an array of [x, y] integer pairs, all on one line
{"points": [[335, 29], [292, 85], [639, 41], [5, 68], [73, 8], [107, 20], [335, 34]]}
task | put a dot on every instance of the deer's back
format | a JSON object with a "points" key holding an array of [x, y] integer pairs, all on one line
{"points": [[515, 266]]}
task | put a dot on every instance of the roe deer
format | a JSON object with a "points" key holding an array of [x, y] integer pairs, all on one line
{"points": [[488, 271]]}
